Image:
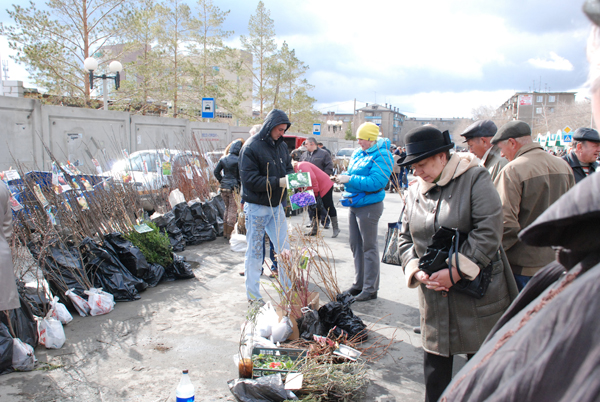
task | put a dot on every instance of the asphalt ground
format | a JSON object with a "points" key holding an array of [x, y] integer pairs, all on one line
{"points": [[137, 352]]}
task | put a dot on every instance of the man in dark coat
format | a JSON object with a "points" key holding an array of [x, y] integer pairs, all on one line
{"points": [[323, 147], [264, 162], [478, 137], [585, 151], [317, 156]]}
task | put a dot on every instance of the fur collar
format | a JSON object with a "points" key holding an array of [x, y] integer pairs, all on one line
{"points": [[457, 165]]}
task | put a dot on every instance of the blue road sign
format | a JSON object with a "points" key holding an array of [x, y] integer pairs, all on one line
{"points": [[208, 108], [567, 138], [317, 129]]}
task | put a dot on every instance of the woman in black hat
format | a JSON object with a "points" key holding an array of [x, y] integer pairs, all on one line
{"points": [[453, 192]]}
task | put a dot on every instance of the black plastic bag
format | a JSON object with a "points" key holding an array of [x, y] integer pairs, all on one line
{"points": [[63, 269], [154, 274], [310, 325], [269, 388], [22, 322], [193, 224], [36, 299], [129, 255], [211, 212], [220, 204], [107, 272], [179, 269], [338, 314], [6, 350], [167, 223]]}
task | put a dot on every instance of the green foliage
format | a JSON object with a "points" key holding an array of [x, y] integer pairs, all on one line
{"points": [[349, 135], [155, 245]]}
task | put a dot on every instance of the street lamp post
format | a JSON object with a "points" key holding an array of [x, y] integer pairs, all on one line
{"points": [[91, 64]]}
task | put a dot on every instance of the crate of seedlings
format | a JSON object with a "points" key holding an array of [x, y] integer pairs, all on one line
{"points": [[272, 361]]}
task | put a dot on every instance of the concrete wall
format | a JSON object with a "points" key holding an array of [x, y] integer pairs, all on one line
{"points": [[80, 135]]}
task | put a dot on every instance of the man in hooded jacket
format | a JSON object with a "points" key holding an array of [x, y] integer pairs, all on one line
{"points": [[264, 162]]}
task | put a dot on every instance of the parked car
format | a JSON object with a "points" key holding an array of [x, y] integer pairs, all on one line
{"points": [[345, 153], [143, 169]]}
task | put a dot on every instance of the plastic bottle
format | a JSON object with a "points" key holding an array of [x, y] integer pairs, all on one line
{"points": [[185, 389]]}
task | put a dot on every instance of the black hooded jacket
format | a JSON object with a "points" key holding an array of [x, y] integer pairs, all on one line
{"points": [[229, 165], [264, 161]]}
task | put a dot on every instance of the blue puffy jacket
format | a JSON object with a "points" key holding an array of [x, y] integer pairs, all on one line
{"points": [[370, 171]]}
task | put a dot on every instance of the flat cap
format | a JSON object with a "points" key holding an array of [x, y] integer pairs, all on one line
{"points": [[481, 128], [512, 129], [586, 134]]}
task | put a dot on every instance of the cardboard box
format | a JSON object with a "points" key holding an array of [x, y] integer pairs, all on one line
{"points": [[295, 312]]}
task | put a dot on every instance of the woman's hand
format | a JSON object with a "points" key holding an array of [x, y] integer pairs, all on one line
{"points": [[442, 277], [422, 277]]}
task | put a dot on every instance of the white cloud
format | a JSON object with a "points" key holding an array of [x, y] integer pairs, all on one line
{"points": [[555, 62]]}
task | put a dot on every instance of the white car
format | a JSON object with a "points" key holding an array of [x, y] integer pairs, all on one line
{"points": [[345, 153], [144, 170]]}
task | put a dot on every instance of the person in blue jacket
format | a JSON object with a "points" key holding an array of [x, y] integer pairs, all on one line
{"points": [[367, 175]]}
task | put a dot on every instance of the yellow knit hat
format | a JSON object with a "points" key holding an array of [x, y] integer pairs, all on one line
{"points": [[368, 131]]}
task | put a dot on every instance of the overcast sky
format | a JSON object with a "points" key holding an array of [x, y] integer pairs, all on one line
{"points": [[436, 58]]}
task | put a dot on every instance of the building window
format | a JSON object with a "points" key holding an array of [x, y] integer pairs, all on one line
{"points": [[551, 110], [224, 115], [551, 98], [539, 98], [538, 110]]}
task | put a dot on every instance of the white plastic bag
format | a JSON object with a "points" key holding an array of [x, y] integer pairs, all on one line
{"points": [[266, 319], [237, 243], [176, 197], [81, 305], [59, 311], [52, 334], [23, 358], [100, 302], [281, 331]]}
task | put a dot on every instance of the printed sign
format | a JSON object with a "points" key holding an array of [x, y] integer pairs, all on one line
{"points": [[166, 169], [143, 228], [208, 108], [97, 165], [39, 195], [525, 100], [317, 129]]}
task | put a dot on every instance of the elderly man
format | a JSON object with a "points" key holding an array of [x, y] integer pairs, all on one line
{"points": [[531, 181], [585, 151], [263, 163], [317, 156], [478, 137]]}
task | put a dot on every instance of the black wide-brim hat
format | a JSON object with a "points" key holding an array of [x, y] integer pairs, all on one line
{"points": [[423, 142]]}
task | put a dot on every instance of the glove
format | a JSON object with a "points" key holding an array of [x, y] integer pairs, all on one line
{"points": [[343, 179], [283, 182]]}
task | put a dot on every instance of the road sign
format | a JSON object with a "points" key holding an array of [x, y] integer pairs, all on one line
{"points": [[208, 108], [567, 138], [567, 129], [317, 129]]}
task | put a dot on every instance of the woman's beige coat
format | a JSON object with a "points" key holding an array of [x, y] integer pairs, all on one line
{"points": [[9, 296], [463, 198]]}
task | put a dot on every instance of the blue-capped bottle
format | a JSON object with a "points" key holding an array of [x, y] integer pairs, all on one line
{"points": [[185, 389]]}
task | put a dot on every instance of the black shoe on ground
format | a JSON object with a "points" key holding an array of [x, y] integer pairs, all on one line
{"points": [[353, 292], [364, 296], [417, 330]]}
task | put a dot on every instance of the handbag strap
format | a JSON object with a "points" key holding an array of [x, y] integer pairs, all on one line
{"points": [[454, 250]]}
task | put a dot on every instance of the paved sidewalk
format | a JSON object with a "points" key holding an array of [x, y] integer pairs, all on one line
{"points": [[137, 352]]}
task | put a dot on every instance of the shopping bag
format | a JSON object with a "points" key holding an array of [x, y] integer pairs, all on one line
{"points": [[23, 358], [59, 311], [81, 305], [100, 302], [52, 334]]}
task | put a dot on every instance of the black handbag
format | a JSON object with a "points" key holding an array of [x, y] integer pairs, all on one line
{"points": [[444, 244]]}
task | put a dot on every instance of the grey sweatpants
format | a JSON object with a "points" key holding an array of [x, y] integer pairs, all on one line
{"points": [[363, 243]]}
